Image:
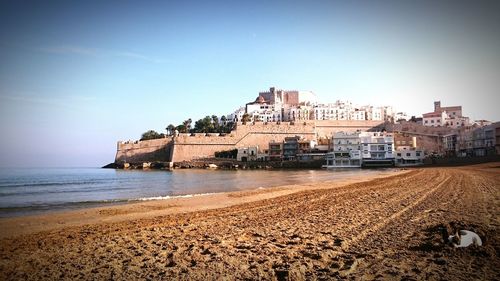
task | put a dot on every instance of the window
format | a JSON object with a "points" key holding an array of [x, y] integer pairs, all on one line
{"points": [[418, 153], [399, 154], [408, 154]]}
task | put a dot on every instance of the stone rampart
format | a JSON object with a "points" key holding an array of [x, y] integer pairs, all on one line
{"points": [[185, 147], [144, 151], [325, 128]]}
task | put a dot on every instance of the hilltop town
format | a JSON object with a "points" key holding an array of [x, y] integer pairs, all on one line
{"points": [[283, 126]]}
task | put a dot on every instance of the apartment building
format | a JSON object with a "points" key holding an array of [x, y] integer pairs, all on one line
{"points": [[344, 151], [377, 149], [406, 151]]}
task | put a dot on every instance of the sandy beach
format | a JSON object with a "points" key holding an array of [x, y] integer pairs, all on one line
{"points": [[388, 227]]}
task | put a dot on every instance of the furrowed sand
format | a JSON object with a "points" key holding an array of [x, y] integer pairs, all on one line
{"points": [[387, 227]]}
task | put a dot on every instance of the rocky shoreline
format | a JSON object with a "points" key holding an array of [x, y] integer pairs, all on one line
{"points": [[213, 163]]}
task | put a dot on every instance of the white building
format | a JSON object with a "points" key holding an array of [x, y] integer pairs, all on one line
{"points": [[409, 156], [376, 114], [261, 111], [339, 110], [388, 113], [457, 122], [342, 141], [377, 148], [358, 115], [300, 112], [450, 116], [325, 112], [345, 151], [280, 105], [434, 119], [237, 115], [247, 153]]}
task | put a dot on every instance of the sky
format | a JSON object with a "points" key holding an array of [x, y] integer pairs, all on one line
{"points": [[77, 76]]}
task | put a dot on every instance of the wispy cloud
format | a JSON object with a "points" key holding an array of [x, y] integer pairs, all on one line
{"points": [[83, 51], [136, 56]]}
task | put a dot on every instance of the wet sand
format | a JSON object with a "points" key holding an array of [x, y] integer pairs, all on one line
{"points": [[383, 228]]}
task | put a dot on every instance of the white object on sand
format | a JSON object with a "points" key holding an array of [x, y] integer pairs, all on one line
{"points": [[465, 238]]}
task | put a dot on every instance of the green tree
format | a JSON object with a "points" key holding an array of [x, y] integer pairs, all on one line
{"points": [[186, 126], [170, 129], [205, 125], [215, 123], [246, 118], [151, 134], [181, 128], [229, 127], [224, 124]]}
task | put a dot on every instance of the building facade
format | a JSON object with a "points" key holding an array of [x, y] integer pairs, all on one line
{"points": [[449, 116], [247, 154], [377, 149], [345, 151]]}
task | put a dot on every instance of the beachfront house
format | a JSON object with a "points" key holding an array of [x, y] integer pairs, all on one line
{"points": [[344, 151], [377, 149], [247, 153]]}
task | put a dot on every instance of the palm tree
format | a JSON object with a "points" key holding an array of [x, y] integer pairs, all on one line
{"points": [[187, 125], [170, 129]]}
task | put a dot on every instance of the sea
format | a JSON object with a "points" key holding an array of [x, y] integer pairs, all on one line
{"points": [[28, 191]]}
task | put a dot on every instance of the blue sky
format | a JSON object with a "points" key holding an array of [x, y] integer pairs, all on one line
{"points": [[75, 77]]}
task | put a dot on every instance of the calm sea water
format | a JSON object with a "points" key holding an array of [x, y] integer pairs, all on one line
{"points": [[30, 191]]}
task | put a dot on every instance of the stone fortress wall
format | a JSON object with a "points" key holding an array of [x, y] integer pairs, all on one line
{"points": [[185, 147], [143, 151], [259, 134]]}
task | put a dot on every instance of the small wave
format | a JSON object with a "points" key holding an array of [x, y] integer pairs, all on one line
{"points": [[50, 183], [170, 197], [11, 211]]}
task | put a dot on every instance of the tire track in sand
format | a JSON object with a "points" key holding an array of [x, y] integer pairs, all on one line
{"points": [[346, 245]]}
